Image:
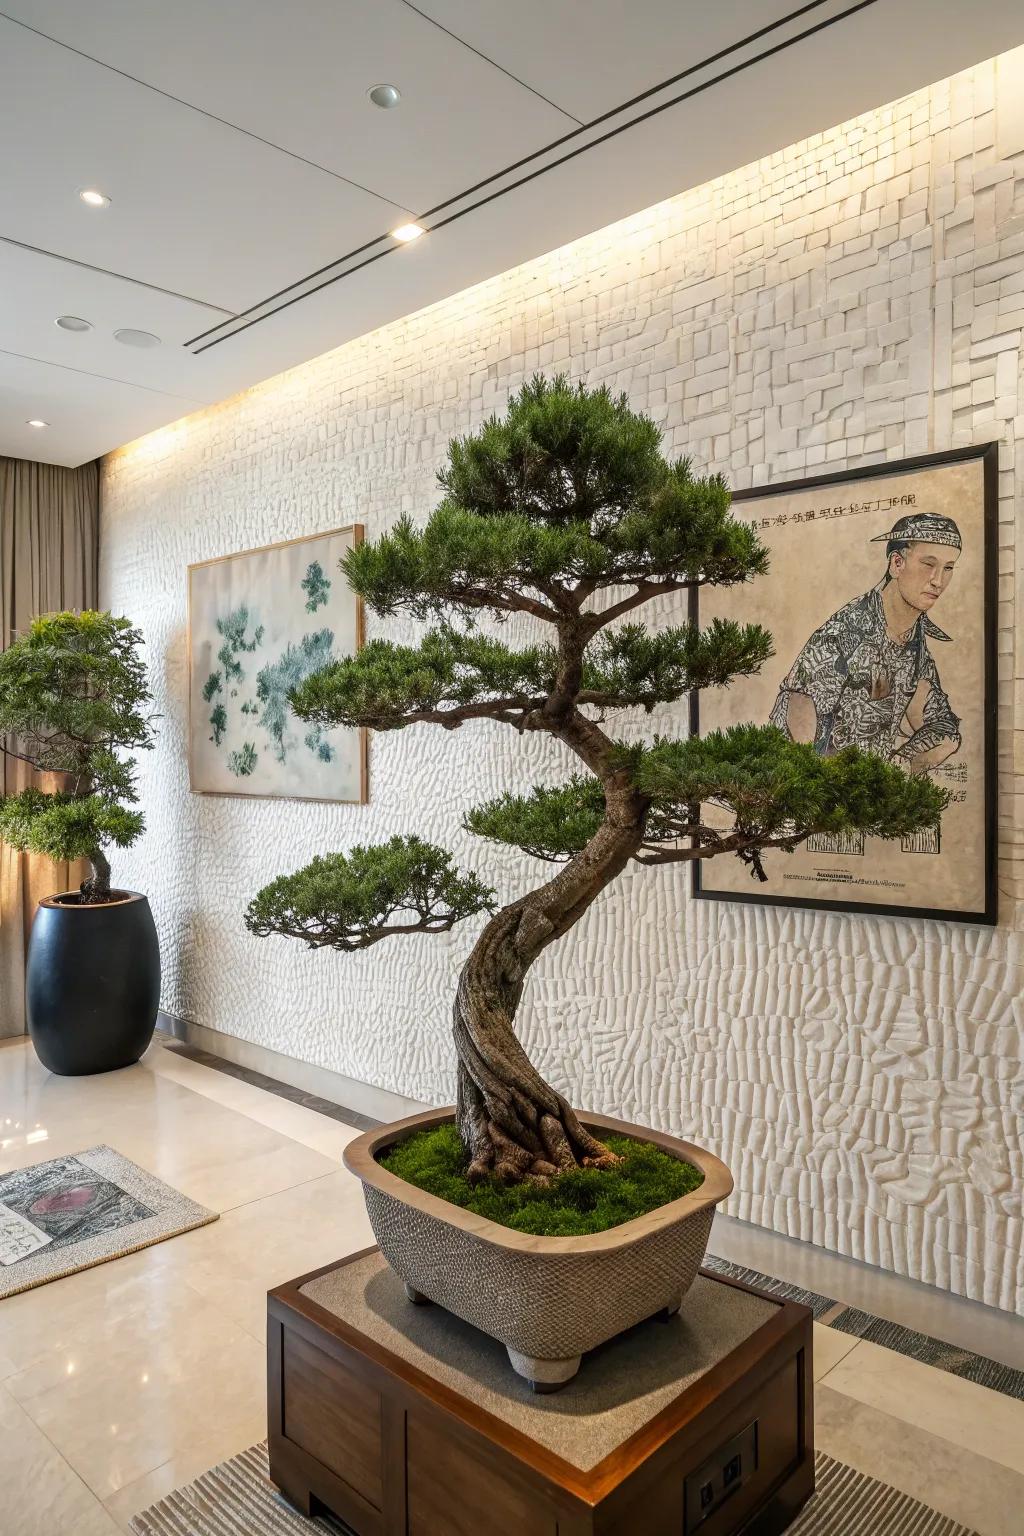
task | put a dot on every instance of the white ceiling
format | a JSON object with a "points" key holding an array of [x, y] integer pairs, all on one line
{"points": [[241, 154]]}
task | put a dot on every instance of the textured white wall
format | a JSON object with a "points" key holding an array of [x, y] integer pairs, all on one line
{"points": [[855, 298]]}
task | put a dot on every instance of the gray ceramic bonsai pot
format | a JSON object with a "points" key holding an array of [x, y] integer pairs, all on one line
{"points": [[547, 1299]]}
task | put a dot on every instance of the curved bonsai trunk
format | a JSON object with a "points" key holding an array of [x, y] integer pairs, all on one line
{"points": [[511, 1121], [97, 887]]}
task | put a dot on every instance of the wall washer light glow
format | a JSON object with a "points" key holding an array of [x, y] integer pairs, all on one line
{"points": [[35, 422], [407, 232], [94, 198], [385, 96]]}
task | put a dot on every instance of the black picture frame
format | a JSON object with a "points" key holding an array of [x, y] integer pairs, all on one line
{"points": [[988, 453]]}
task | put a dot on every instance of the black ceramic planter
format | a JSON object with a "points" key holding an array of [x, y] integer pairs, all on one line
{"points": [[93, 983]]}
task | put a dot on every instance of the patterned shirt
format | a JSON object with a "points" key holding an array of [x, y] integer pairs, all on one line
{"points": [[852, 656]]}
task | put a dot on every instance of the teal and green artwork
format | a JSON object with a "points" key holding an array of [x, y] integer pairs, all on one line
{"points": [[259, 623]]}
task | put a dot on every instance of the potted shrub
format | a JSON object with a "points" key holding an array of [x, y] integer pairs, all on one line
{"points": [[554, 1230], [73, 701]]}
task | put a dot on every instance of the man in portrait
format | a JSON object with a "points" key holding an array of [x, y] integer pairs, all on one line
{"points": [[867, 676]]}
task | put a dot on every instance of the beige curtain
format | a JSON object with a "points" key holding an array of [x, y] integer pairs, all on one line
{"points": [[49, 559]]}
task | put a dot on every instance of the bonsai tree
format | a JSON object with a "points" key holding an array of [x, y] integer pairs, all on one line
{"points": [[73, 697], [565, 512]]}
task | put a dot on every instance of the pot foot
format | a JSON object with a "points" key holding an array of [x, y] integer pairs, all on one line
{"points": [[668, 1313], [416, 1297], [544, 1375]]}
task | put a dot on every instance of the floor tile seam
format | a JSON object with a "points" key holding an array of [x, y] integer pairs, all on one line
{"points": [[274, 1193], [928, 1365], [919, 1429], [56, 1451]]}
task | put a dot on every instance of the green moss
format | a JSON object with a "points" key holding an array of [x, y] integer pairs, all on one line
{"points": [[588, 1200]]}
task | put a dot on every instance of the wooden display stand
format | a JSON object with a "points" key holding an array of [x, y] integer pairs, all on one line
{"points": [[404, 1421]]}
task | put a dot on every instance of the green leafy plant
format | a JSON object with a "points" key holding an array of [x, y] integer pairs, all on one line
{"points": [[73, 700], [566, 512]]}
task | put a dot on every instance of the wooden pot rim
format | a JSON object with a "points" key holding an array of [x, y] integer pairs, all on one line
{"points": [[360, 1158], [60, 903]]}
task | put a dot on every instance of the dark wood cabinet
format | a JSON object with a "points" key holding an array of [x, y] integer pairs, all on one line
{"points": [[359, 1427]]}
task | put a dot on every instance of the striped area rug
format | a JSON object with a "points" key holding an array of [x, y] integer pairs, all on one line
{"points": [[237, 1498]]}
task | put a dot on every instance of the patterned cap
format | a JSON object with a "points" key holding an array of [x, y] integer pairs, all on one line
{"points": [[922, 528]]}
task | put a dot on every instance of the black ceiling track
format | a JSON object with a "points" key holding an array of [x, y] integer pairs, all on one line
{"points": [[505, 181]]}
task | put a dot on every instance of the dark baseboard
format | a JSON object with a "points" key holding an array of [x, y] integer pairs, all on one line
{"points": [[313, 1101]]}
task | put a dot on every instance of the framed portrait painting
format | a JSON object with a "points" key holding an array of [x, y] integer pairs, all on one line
{"points": [[880, 597], [260, 622]]}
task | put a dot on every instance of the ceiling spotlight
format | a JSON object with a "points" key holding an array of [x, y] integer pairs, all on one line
{"points": [[73, 323], [94, 198], [386, 96], [35, 422], [407, 232], [129, 338]]}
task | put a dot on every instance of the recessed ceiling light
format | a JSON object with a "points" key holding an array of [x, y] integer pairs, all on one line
{"points": [[386, 96], [73, 323], [35, 422], [407, 232], [94, 198], [129, 338]]}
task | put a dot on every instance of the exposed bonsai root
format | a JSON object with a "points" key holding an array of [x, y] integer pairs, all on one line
{"points": [[517, 1127], [434, 1159]]}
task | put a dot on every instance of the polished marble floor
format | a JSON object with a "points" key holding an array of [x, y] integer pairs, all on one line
{"points": [[122, 1382]]}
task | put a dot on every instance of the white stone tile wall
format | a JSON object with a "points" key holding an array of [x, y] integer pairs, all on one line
{"points": [[856, 298]]}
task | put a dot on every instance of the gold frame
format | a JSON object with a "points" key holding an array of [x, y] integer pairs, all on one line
{"points": [[356, 530]]}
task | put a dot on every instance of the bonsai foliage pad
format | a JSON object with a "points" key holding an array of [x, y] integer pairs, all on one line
{"points": [[401, 1418]]}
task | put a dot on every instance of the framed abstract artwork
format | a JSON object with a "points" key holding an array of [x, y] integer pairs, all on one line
{"points": [[258, 623], [881, 599]]}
